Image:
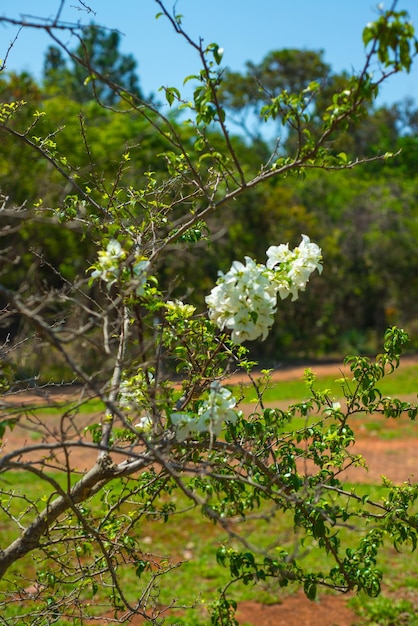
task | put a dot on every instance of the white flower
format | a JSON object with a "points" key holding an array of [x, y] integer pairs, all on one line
{"points": [[139, 270], [278, 255], [109, 261], [307, 259], [219, 408], [109, 268], [144, 424], [213, 412], [185, 425], [335, 408], [295, 266], [114, 249], [127, 396], [140, 267], [243, 300], [310, 253], [282, 284], [134, 391]]}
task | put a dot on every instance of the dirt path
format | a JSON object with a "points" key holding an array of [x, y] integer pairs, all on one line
{"points": [[297, 610]]}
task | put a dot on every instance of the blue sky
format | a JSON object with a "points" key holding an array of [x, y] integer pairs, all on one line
{"points": [[246, 29]]}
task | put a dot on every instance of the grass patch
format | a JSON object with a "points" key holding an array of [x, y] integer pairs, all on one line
{"points": [[190, 538], [402, 382], [93, 405], [385, 611], [386, 429]]}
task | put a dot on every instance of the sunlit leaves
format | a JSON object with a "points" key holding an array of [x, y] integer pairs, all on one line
{"points": [[392, 38], [8, 109]]}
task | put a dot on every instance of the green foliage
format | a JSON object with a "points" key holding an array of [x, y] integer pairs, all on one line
{"points": [[391, 37], [371, 238], [386, 611], [289, 71], [94, 63], [138, 196]]}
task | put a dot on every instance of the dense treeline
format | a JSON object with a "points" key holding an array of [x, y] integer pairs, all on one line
{"points": [[365, 219]]}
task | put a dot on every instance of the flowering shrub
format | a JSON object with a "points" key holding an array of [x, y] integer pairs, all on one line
{"points": [[243, 301], [170, 435]]}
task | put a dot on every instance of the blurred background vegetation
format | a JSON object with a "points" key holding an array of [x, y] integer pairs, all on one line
{"points": [[365, 219]]}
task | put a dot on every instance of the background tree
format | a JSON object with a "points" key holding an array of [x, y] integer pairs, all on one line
{"points": [[306, 72], [98, 49], [290, 70]]}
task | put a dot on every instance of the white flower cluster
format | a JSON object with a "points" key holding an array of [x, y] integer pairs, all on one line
{"points": [[133, 398], [296, 266], [109, 261], [145, 424], [134, 391], [109, 267], [213, 412], [244, 299]]}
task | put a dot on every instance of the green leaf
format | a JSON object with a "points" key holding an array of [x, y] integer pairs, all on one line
{"points": [[190, 77], [310, 589], [171, 94]]}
